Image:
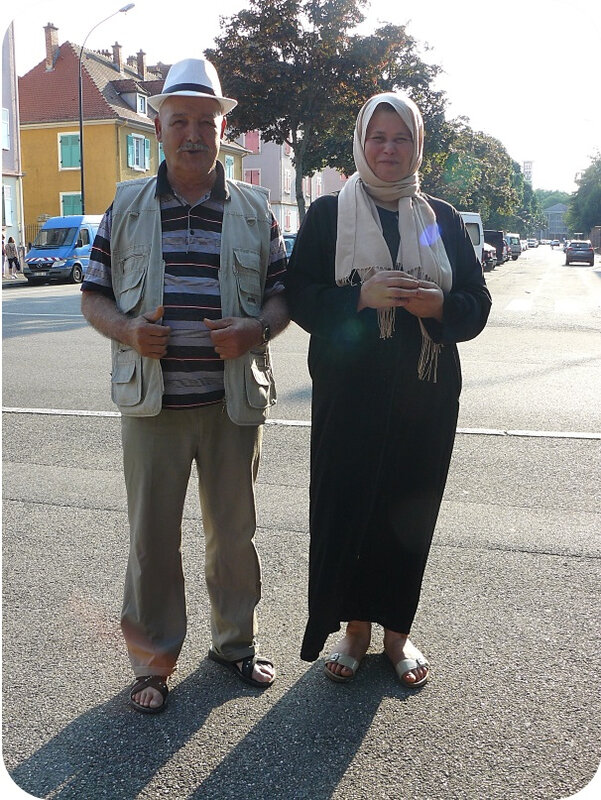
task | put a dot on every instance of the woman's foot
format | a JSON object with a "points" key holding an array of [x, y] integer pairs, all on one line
{"points": [[354, 644], [398, 647]]}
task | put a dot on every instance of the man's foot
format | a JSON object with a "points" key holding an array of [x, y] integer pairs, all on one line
{"points": [[353, 645], [410, 665], [263, 670], [149, 694], [254, 670]]}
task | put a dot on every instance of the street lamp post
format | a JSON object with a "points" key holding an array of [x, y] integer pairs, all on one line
{"points": [[123, 10]]}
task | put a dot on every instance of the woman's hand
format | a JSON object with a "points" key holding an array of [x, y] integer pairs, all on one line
{"points": [[392, 289]]}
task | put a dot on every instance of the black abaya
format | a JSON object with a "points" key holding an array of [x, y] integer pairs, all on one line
{"points": [[381, 439]]}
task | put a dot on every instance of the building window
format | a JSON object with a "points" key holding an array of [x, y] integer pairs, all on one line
{"points": [[68, 151], [7, 205], [138, 152], [318, 186], [287, 220], [70, 203], [229, 167], [287, 180], [253, 176], [141, 104], [161, 153], [5, 129], [287, 149], [252, 141]]}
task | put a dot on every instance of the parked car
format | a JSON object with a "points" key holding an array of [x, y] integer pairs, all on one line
{"points": [[513, 240], [555, 243], [61, 249], [580, 251], [489, 257], [289, 239], [532, 242]]}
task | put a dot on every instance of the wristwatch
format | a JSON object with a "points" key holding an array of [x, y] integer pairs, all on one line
{"points": [[266, 333]]}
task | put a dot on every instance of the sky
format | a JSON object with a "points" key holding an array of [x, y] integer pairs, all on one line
{"points": [[524, 72]]}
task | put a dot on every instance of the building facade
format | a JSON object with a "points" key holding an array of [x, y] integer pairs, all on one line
{"points": [[556, 226], [12, 195], [119, 140], [271, 165]]}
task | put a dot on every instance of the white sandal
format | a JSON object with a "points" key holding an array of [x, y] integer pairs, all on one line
{"points": [[345, 661], [406, 665]]}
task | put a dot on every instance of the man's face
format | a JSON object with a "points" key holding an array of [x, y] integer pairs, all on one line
{"points": [[190, 129]]}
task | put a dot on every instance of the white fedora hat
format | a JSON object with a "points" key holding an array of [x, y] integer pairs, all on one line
{"points": [[193, 77]]}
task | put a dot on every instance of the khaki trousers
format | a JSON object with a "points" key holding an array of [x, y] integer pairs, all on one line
{"points": [[157, 454]]}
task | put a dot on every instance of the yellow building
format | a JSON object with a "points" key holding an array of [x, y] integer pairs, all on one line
{"points": [[119, 141]]}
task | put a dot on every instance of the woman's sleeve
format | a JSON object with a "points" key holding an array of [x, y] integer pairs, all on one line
{"points": [[316, 302], [467, 306]]}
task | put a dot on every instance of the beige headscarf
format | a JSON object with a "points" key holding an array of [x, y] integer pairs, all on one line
{"points": [[360, 244]]}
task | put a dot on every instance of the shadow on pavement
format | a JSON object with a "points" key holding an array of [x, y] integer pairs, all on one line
{"points": [[301, 748]]}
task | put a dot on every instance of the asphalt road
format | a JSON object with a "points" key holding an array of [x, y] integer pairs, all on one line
{"points": [[509, 616]]}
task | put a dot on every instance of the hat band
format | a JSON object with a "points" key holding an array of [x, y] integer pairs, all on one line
{"points": [[189, 87]]}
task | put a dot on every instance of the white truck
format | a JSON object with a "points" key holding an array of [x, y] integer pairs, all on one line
{"points": [[473, 223]]}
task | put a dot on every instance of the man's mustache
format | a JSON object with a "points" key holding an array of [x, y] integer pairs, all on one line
{"points": [[193, 147]]}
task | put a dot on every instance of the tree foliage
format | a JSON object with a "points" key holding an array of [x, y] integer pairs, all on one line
{"points": [[474, 172], [584, 211], [550, 197], [302, 75], [302, 72]]}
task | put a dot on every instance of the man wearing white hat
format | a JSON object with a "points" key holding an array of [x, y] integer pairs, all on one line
{"points": [[186, 279]]}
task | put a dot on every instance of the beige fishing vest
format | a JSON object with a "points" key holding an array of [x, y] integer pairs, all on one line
{"points": [[138, 272]]}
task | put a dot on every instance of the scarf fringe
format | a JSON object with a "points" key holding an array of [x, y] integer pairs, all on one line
{"points": [[427, 366], [386, 318]]}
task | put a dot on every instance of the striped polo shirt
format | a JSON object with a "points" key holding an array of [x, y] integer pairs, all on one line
{"points": [[192, 370]]}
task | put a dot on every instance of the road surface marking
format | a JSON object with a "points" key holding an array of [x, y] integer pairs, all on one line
{"points": [[301, 423]]}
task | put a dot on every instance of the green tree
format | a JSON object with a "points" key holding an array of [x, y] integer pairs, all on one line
{"points": [[550, 197], [475, 173], [302, 76], [584, 211]]}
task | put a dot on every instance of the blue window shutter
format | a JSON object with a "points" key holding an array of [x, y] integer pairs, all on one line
{"points": [[71, 204], [131, 153], [69, 151], [161, 153], [146, 153]]}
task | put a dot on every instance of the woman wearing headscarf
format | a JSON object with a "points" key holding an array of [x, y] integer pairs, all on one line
{"points": [[386, 281]]}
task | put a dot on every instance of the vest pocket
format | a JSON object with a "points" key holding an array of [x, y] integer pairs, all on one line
{"points": [[130, 282], [126, 378], [259, 380], [247, 268]]}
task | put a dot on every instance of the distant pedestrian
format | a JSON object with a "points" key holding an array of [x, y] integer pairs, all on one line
{"points": [[386, 281], [12, 258]]}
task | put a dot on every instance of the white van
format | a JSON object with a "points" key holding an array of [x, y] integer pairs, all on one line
{"points": [[473, 223]]}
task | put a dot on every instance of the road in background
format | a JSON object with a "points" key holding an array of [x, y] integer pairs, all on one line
{"points": [[509, 615]]}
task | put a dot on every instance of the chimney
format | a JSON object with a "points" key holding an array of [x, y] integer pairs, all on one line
{"points": [[118, 56], [142, 64], [51, 45]]}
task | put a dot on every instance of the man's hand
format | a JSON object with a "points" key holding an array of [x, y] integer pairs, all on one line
{"points": [[394, 289], [234, 336], [147, 336]]}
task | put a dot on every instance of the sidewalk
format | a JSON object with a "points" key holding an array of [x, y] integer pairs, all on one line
{"points": [[6, 281]]}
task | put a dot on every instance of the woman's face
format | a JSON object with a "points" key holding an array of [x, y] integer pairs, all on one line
{"points": [[388, 145]]}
